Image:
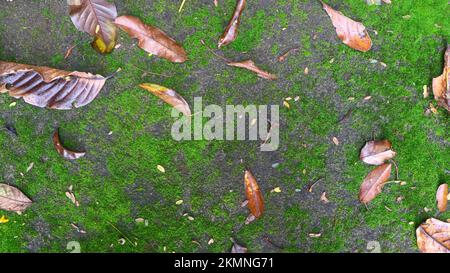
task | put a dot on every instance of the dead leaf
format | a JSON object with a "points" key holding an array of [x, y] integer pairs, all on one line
{"points": [[433, 236], [374, 182], [315, 235], [387, 1], [283, 57], [161, 168], [72, 198], [12, 199], [254, 195], [152, 39], [169, 96], [69, 52], [324, 198], [250, 65], [335, 141], [236, 248], [4, 219], [96, 17], [48, 87], [425, 92], [65, 153], [441, 197], [441, 84], [376, 152], [352, 33], [231, 31]]}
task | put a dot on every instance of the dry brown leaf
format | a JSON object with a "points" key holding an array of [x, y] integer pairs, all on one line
{"points": [[283, 57], [96, 17], [376, 152], [250, 65], [433, 236], [169, 96], [231, 31], [374, 182], [441, 197], [236, 248], [441, 84], [152, 39], [12, 199], [48, 87], [69, 52], [65, 153], [254, 195], [352, 33], [324, 198]]}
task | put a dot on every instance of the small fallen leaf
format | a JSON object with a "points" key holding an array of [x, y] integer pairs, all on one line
{"points": [[152, 39], [12, 199], [231, 31], [286, 104], [315, 235], [69, 52], [283, 57], [374, 182], [254, 195], [250, 65], [211, 241], [376, 152], [169, 96], [352, 33], [72, 198], [441, 197], [65, 153], [335, 141], [139, 220], [96, 18], [161, 168], [277, 190], [30, 167], [425, 92], [4, 219], [179, 202], [250, 218], [433, 236], [12, 104], [324, 198], [441, 84]]}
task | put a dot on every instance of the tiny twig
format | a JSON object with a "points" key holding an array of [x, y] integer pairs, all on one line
{"points": [[214, 53], [149, 72], [312, 186], [114, 74]]}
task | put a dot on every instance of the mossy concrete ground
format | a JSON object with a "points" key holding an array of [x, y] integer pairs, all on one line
{"points": [[118, 181]]}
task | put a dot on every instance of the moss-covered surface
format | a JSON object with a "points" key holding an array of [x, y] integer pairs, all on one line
{"points": [[118, 181]]}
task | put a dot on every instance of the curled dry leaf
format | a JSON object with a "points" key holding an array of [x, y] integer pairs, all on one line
{"points": [[253, 194], [374, 182], [231, 31], [250, 65], [236, 248], [152, 39], [433, 236], [65, 153], [12, 199], [96, 17], [441, 84], [441, 197], [376, 152], [169, 96], [48, 87], [352, 33]]}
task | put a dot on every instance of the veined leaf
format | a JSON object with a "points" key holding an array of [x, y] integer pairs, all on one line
{"points": [[433, 236], [12, 199], [254, 195], [48, 87], [152, 39], [96, 17], [352, 33], [231, 31], [169, 96], [374, 182], [377, 152]]}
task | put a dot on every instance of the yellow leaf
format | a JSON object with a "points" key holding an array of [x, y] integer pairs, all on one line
{"points": [[3, 220], [161, 169]]}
